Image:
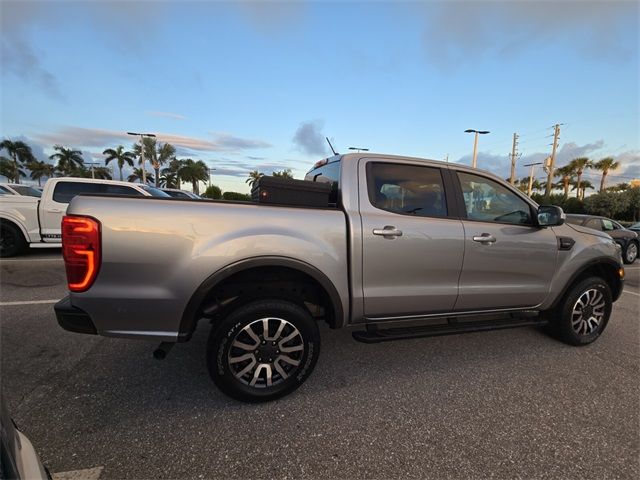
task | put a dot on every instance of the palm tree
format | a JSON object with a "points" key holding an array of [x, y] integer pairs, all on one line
{"points": [[10, 169], [620, 187], [121, 156], [253, 178], [580, 165], [103, 173], [581, 188], [20, 154], [41, 169], [67, 158], [174, 169], [169, 179], [566, 174], [194, 172], [165, 152], [136, 176], [284, 174], [604, 166]]}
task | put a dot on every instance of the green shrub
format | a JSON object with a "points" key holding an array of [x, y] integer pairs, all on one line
{"points": [[213, 192], [236, 196]]}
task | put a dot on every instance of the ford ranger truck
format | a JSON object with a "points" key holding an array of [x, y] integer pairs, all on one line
{"points": [[404, 248]]}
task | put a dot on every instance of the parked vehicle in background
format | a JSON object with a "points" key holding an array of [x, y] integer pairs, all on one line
{"points": [[403, 247], [626, 238], [635, 228], [29, 221], [18, 189], [176, 193], [18, 459]]}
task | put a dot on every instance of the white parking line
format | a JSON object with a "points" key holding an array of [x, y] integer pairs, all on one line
{"points": [[28, 302], [632, 293], [86, 474]]}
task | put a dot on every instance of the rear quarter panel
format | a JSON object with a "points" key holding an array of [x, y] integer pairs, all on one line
{"points": [[156, 253]]}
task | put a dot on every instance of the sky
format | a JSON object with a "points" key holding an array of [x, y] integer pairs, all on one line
{"points": [[258, 85]]}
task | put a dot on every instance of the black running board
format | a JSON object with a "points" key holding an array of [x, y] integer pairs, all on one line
{"points": [[373, 334]]}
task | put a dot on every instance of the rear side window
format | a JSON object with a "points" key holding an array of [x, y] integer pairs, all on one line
{"points": [[486, 200], [594, 223], [327, 173], [5, 190], [65, 191], [27, 191], [406, 189]]}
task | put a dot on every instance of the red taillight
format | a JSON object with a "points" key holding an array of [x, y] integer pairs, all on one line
{"points": [[81, 251]]}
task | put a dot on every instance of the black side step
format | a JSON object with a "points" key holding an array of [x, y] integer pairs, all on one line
{"points": [[373, 334]]}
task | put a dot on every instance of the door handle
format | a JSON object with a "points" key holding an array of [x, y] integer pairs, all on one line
{"points": [[388, 231], [54, 210], [485, 238]]}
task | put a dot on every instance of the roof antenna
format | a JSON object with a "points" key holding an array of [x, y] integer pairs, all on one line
{"points": [[334, 152]]}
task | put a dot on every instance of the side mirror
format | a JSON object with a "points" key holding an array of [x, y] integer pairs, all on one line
{"points": [[550, 216]]}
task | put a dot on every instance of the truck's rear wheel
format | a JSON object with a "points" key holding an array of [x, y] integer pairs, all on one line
{"points": [[583, 313], [12, 241], [263, 350]]}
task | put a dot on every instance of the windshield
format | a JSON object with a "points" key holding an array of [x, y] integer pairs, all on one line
{"points": [[27, 191], [155, 192]]}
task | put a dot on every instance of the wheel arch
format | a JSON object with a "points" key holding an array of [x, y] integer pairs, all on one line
{"points": [[7, 218], [284, 265], [605, 268]]}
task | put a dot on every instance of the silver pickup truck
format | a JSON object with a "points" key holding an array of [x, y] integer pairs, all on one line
{"points": [[403, 248]]}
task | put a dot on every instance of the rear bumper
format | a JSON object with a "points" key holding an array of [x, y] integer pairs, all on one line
{"points": [[72, 318]]}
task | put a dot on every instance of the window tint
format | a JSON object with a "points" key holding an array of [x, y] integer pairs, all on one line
{"points": [[176, 194], [27, 191], [65, 191], [406, 189], [154, 192], [5, 190], [607, 225], [594, 223], [327, 173], [488, 201]]}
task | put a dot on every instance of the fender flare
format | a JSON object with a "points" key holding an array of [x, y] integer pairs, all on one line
{"points": [[189, 320], [4, 216]]}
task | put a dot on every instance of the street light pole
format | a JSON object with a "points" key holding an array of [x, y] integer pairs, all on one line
{"points": [[210, 170], [474, 162], [142, 135]]}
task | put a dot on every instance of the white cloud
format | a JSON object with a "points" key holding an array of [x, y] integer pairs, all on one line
{"points": [[309, 138]]}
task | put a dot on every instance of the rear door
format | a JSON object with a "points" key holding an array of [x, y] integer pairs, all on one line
{"points": [[412, 245], [509, 262], [54, 206]]}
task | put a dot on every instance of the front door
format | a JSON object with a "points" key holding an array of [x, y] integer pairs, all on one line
{"points": [[508, 262], [412, 248]]}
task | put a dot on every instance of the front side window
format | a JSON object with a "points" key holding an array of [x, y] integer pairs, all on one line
{"points": [[608, 225], [154, 192], [487, 201], [65, 191], [406, 189], [594, 223]]}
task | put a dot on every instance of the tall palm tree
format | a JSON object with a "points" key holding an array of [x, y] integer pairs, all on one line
{"points": [[566, 174], [67, 158], [194, 172], [121, 156], [41, 169], [164, 153], [580, 165], [136, 176], [169, 179], [604, 166], [253, 178], [20, 154], [103, 173]]}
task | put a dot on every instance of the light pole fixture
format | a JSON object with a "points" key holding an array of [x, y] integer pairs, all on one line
{"points": [[530, 188], [359, 149], [210, 170], [142, 135], [93, 175], [474, 162]]}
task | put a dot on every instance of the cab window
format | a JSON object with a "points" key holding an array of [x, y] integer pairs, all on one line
{"points": [[65, 191], [406, 189], [487, 201]]}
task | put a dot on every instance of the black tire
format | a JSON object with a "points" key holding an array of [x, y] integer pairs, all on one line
{"points": [[12, 241], [567, 321], [630, 253], [234, 330]]}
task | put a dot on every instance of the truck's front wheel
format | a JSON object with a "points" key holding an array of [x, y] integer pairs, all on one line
{"points": [[263, 350]]}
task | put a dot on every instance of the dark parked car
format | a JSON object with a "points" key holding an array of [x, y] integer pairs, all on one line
{"points": [[627, 239], [635, 228]]}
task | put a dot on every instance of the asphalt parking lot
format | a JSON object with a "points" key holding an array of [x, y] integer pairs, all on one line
{"points": [[510, 403]]}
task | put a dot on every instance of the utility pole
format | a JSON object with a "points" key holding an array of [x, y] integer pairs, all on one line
{"points": [[474, 160], [530, 188], [142, 135], [514, 156], [552, 161]]}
